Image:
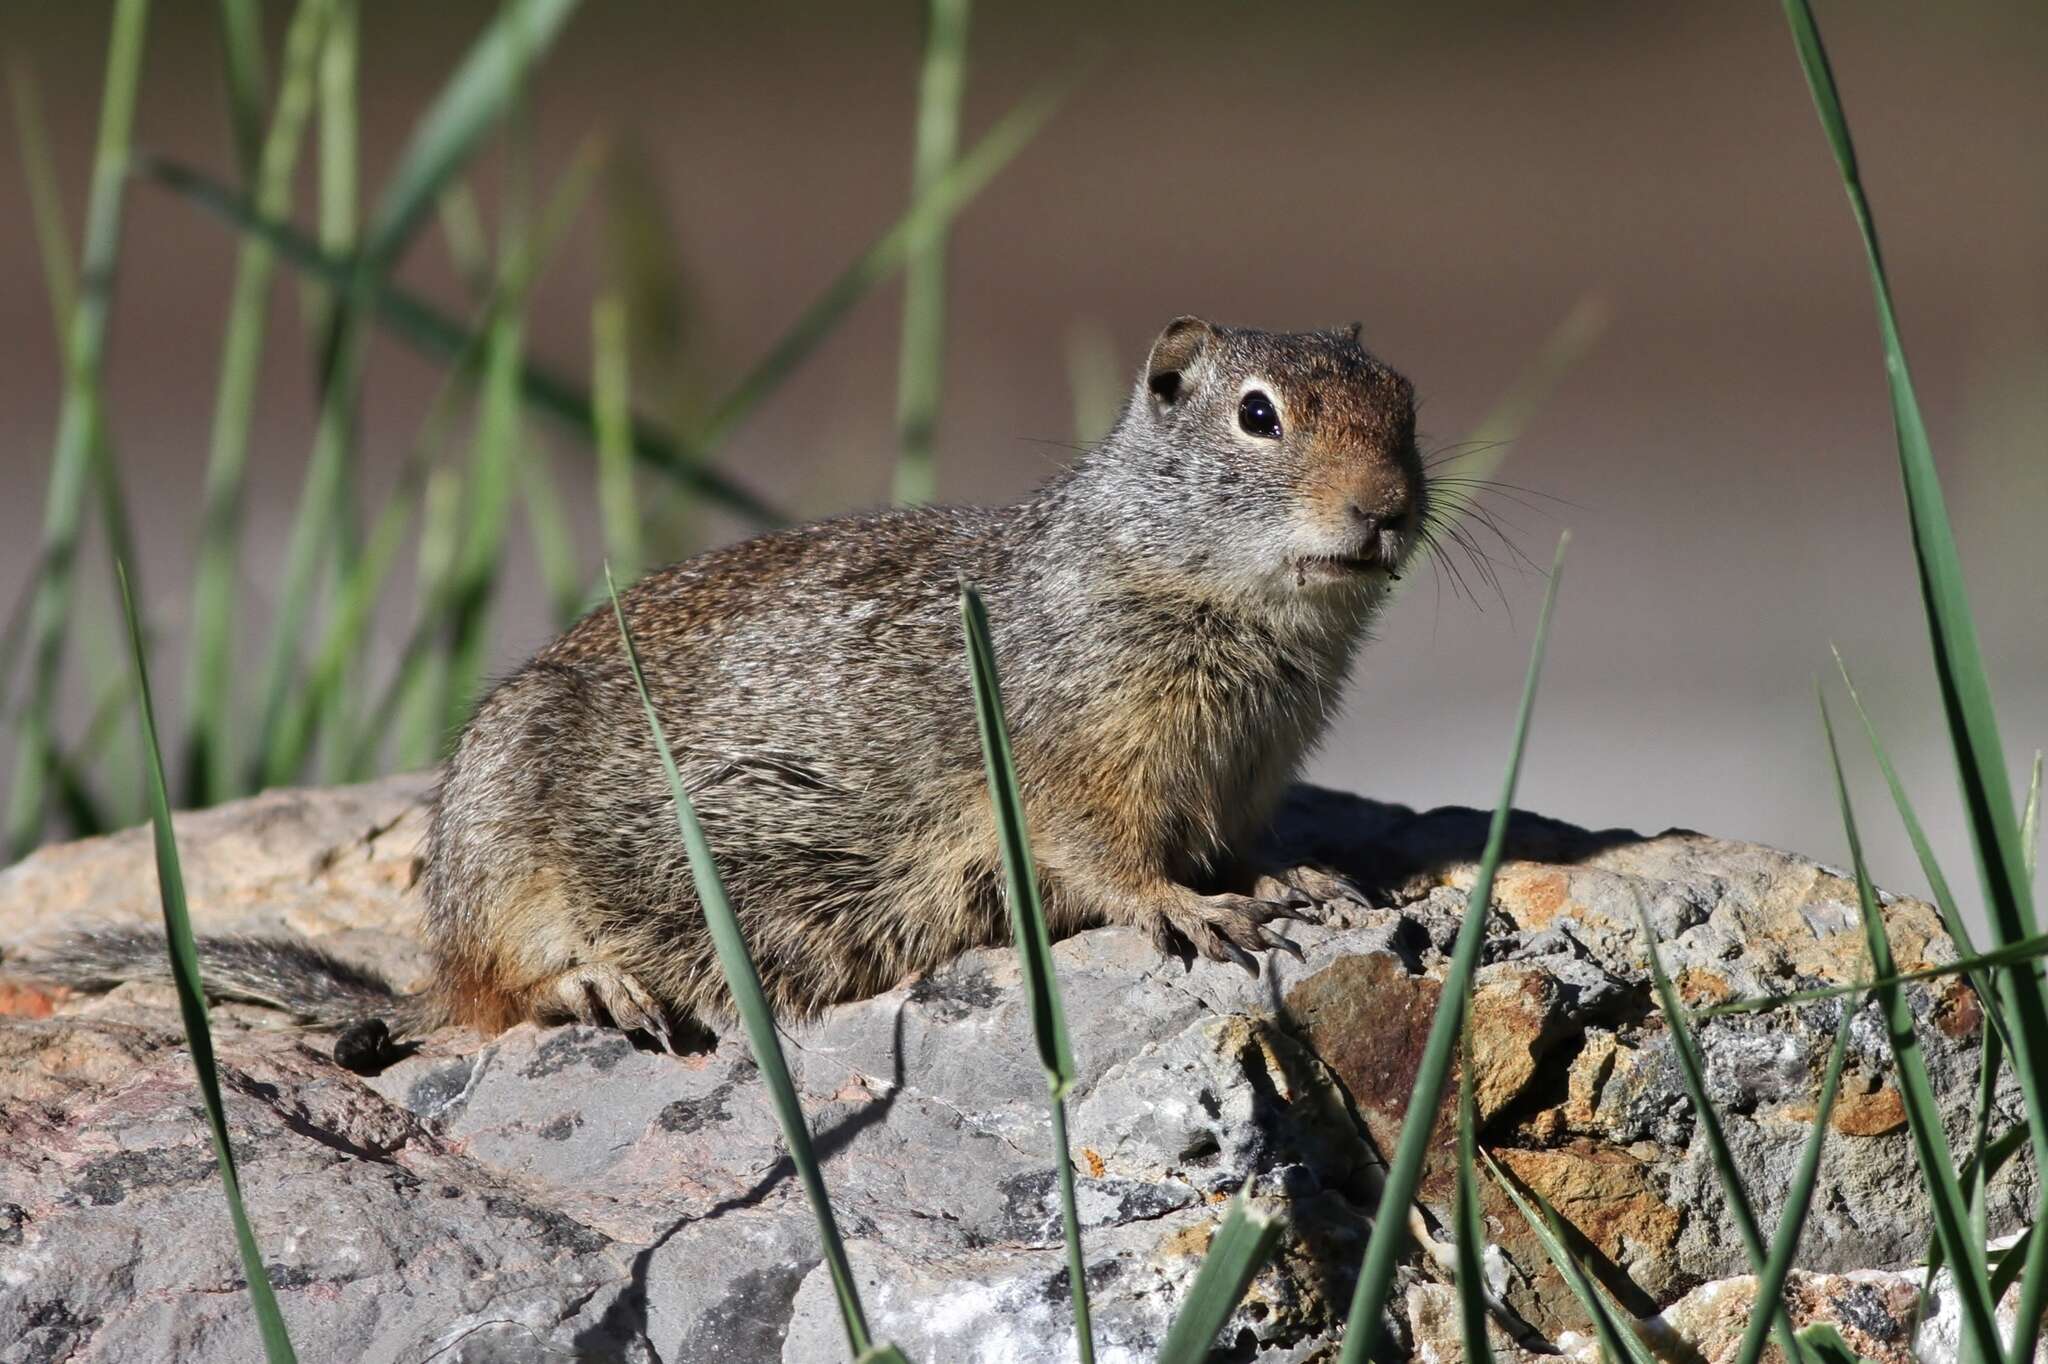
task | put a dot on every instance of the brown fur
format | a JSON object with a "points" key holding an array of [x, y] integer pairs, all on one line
{"points": [[1173, 620], [1166, 663]]}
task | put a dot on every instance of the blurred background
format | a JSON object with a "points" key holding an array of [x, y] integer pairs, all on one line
{"points": [[1712, 422]]}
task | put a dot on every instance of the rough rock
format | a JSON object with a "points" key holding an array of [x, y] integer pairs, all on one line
{"points": [[554, 1193], [1872, 1310]]}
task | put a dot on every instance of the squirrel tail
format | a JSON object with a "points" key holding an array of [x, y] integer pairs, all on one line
{"points": [[289, 974]]}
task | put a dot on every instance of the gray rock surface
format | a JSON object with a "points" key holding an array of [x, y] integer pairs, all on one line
{"points": [[558, 1193]]}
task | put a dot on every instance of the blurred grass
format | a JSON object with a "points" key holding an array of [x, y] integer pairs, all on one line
{"points": [[921, 366], [340, 61], [928, 212], [80, 424], [210, 700], [241, 54], [611, 384]]}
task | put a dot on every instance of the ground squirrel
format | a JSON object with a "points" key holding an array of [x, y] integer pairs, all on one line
{"points": [[1174, 617]]}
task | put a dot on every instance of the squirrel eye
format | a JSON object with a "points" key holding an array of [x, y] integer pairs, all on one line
{"points": [[1257, 416]]}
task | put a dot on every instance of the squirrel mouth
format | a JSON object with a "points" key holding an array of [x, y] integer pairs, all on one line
{"points": [[1339, 567]]}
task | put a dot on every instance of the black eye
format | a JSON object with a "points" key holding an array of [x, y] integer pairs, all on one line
{"points": [[1257, 415]]}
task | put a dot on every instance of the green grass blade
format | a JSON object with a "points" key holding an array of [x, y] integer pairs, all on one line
{"points": [[1990, 1056], [429, 685], [474, 101], [1784, 1246], [413, 700], [469, 247], [466, 111], [1824, 1344], [1966, 694], [2011, 1262], [750, 1003], [1959, 666], [1096, 382], [210, 693], [1916, 834], [241, 52], [499, 450], [1236, 1253], [277, 1346], [930, 211], [1983, 982], [339, 153], [2030, 821], [321, 306], [492, 484], [884, 1353], [1616, 1333], [315, 528], [618, 504], [78, 427], [1692, 1069], [921, 363], [1923, 1115], [2026, 950], [346, 635], [73, 801], [1027, 919], [554, 544], [1486, 449], [1470, 1221], [10, 638], [1389, 1237], [435, 334], [53, 250], [81, 812], [1027, 928], [46, 203]]}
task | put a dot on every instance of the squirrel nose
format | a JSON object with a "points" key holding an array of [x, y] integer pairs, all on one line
{"points": [[1371, 523]]}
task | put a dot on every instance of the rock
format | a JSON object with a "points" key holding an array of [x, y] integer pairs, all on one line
{"points": [[554, 1193], [333, 865], [1872, 1310]]}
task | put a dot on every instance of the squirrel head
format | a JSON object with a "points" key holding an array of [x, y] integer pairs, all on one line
{"points": [[1271, 462]]}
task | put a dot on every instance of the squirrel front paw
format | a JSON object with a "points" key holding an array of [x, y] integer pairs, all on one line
{"points": [[1221, 927]]}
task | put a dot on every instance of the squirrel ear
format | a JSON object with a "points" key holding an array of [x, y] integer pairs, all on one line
{"points": [[1177, 348]]}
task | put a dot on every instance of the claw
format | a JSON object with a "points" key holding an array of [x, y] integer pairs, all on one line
{"points": [[1270, 940], [597, 994]]}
